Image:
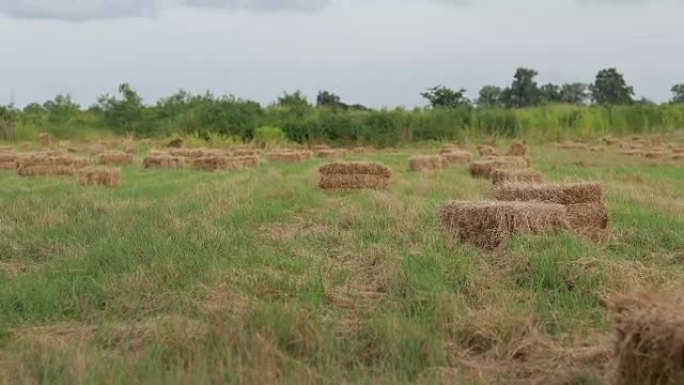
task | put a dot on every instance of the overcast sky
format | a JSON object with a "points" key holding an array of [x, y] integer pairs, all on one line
{"points": [[374, 52]]}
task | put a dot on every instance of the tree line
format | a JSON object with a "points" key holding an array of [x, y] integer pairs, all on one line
{"points": [[522, 109]]}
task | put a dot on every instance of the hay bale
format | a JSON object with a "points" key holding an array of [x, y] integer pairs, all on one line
{"points": [[678, 150], [649, 338], [50, 159], [488, 224], [598, 149], [359, 150], [331, 154], [525, 175], [351, 168], [656, 154], [486, 150], [99, 176], [96, 150], [164, 161], [566, 194], [45, 170], [193, 152], [246, 152], [115, 157], [286, 156], [353, 181], [637, 153], [484, 169], [248, 160], [7, 159], [589, 219], [456, 157], [425, 163], [657, 140], [320, 147], [216, 162], [610, 141], [517, 148], [45, 139]]}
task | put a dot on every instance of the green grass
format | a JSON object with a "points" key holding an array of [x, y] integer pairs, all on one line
{"points": [[257, 276]]}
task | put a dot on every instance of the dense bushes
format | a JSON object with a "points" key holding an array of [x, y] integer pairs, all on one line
{"points": [[207, 116]]}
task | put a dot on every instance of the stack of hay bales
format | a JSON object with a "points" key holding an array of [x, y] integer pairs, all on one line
{"points": [[488, 224], [448, 148], [657, 154], [354, 176], [246, 152], [49, 164], [425, 163], [45, 139], [456, 157], [598, 149], [248, 160], [585, 211], [7, 158], [99, 176], [288, 156], [484, 169], [525, 175], [486, 150], [96, 150], [649, 339], [518, 148], [115, 157], [162, 160], [637, 153], [216, 162]]}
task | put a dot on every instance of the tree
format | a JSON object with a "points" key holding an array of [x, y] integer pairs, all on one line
{"points": [[326, 98], [678, 93], [61, 109], [523, 92], [444, 97], [574, 93], [610, 88], [126, 113], [489, 97], [295, 100], [550, 93]]}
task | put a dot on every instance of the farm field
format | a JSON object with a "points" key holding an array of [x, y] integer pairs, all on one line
{"points": [[256, 275]]}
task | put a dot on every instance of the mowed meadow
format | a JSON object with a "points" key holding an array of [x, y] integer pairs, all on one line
{"points": [[257, 276]]}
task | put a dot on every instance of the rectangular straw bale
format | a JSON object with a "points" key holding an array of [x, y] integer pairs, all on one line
{"points": [[246, 152], [649, 338], [45, 170], [353, 181], [425, 163], [570, 193], [598, 149], [516, 176], [99, 176], [320, 147], [484, 169], [248, 160], [45, 139], [456, 157], [359, 150], [359, 168], [636, 153], [517, 148], [609, 141], [115, 157], [488, 224], [284, 156], [211, 163], [656, 154], [192, 152], [678, 150], [41, 159], [589, 219], [486, 150], [163, 161], [331, 153]]}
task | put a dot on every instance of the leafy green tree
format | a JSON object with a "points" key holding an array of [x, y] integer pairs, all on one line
{"points": [[550, 93], [610, 87], [326, 98], [125, 114], [489, 96], [8, 118], [443, 97], [61, 109], [678, 93], [295, 100], [574, 93], [524, 91]]}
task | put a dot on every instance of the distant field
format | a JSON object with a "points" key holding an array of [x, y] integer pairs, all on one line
{"points": [[258, 277]]}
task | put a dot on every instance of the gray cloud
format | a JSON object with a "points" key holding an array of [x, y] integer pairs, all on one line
{"points": [[74, 10], [263, 5]]}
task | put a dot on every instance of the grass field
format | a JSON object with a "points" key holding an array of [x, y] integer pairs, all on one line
{"points": [[258, 277]]}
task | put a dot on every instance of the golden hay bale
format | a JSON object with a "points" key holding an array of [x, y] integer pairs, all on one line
{"points": [[649, 338], [484, 169], [7, 158], [115, 157], [99, 176], [212, 163], [456, 157], [163, 161], [488, 224], [285, 156], [359, 168], [45, 139], [46, 170], [50, 159], [525, 175], [636, 153], [678, 156], [598, 149], [678, 150], [589, 219], [518, 148], [248, 160], [155, 152], [131, 151], [193, 152], [656, 154], [245, 152], [96, 150], [353, 181], [359, 150], [425, 163], [571, 193], [609, 141], [320, 147], [486, 150], [657, 140]]}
